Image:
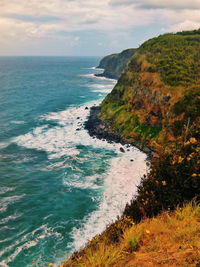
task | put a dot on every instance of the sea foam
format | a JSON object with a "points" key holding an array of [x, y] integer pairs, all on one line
{"points": [[120, 179]]}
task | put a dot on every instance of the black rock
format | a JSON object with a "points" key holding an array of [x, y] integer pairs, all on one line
{"points": [[121, 149]]}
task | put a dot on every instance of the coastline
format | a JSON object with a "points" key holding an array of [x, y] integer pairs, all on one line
{"points": [[103, 131]]}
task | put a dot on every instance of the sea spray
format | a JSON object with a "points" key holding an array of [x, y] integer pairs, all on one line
{"points": [[59, 186]]}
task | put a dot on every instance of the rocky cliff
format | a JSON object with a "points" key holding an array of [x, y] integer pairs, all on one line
{"points": [[158, 94], [155, 102], [114, 64]]}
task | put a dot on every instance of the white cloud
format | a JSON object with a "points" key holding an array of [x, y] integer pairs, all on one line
{"points": [[23, 20], [185, 25], [170, 4]]}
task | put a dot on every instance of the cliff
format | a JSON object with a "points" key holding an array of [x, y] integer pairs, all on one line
{"points": [[147, 244], [114, 64], [155, 105], [158, 93]]}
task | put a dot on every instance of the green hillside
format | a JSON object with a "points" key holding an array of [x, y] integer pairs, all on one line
{"points": [[155, 104], [114, 64], [158, 93]]}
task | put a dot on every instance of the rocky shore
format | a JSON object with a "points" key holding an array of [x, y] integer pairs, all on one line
{"points": [[101, 130]]}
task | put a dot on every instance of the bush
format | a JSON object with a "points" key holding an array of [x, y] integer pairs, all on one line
{"points": [[174, 179]]}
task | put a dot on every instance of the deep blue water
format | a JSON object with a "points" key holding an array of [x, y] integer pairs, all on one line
{"points": [[57, 184]]}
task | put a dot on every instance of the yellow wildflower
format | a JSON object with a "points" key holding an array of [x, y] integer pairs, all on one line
{"points": [[50, 264], [193, 140], [188, 158], [194, 175], [147, 231], [164, 183], [186, 143], [180, 159]]}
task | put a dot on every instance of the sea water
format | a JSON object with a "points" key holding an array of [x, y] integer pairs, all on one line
{"points": [[59, 187]]}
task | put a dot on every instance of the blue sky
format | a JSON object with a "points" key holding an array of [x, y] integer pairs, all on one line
{"points": [[89, 27]]}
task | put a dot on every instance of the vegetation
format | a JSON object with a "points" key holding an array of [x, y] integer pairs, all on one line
{"points": [[171, 239], [114, 64], [156, 103], [161, 80]]}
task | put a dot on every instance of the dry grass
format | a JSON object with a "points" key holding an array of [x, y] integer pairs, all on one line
{"points": [[171, 239]]}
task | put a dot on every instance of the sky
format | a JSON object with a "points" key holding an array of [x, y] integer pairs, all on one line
{"points": [[89, 27]]}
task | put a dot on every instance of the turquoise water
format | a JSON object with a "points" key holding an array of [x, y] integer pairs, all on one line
{"points": [[58, 186]]}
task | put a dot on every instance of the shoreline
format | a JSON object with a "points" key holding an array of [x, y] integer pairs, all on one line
{"points": [[103, 131]]}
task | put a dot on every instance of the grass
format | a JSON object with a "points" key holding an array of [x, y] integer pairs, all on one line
{"points": [[170, 239]]}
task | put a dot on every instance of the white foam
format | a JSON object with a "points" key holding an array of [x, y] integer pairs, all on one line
{"points": [[102, 78], [120, 184], [102, 91], [10, 218], [101, 88], [90, 75], [17, 122], [3, 144], [114, 81], [62, 139], [5, 189], [83, 183], [6, 201], [21, 244], [121, 179]]}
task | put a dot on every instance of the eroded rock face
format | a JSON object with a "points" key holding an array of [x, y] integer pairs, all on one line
{"points": [[114, 64], [159, 80]]}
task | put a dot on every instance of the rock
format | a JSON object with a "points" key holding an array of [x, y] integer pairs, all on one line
{"points": [[121, 149]]}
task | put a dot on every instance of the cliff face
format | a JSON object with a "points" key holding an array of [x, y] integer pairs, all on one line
{"points": [[156, 102], [158, 94], [114, 64]]}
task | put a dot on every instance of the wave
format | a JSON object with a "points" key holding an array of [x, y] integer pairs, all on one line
{"points": [[5, 189], [120, 180], [3, 144], [102, 78], [17, 122], [6, 201], [34, 237], [120, 184], [62, 139]]}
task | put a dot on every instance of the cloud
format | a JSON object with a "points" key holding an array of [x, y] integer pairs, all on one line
{"points": [[170, 4], [121, 2], [23, 21], [42, 19], [152, 4], [185, 25]]}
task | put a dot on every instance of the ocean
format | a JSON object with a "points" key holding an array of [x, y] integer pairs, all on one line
{"points": [[59, 187]]}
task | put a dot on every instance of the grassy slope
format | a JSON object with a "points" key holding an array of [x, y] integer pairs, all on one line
{"points": [[158, 92], [171, 239], [157, 101]]}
